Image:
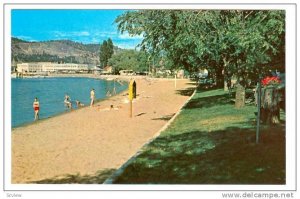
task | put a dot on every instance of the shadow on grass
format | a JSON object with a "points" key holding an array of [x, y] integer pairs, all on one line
{"points": [[227, 156], [97, 178], [210, 101]]}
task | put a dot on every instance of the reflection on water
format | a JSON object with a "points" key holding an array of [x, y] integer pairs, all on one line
{"points": [[51, 92]]}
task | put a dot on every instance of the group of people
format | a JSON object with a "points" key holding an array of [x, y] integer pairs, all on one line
{"points": [[67, 102]]}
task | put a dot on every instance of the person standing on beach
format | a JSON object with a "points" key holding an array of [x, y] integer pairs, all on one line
{"points": [[36, 108], [92, 97]]}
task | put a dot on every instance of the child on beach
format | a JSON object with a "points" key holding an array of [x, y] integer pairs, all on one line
{"points": [[36, 108], [92, 97], [108, 94], [79, 104]]}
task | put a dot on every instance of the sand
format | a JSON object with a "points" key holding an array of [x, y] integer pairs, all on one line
{"points": [[94, 139]]}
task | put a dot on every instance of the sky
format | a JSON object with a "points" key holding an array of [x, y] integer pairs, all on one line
{"points": [[86, 26]]}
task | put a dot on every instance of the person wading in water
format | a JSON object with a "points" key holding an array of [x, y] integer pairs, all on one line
{"points": [[36, 108], [92, 97]]}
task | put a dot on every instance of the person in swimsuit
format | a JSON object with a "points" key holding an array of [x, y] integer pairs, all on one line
{"points": [[92, 97], [68, 102], [36, 108]]}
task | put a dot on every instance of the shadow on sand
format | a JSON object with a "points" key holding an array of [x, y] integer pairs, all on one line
{"points": [[165, 117], [186, 92]]}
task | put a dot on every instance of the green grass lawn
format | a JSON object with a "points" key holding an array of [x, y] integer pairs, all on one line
{"points": [[211, 142]]}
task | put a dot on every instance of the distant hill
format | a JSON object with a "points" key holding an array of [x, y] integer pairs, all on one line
{"points": [[55, 51]]}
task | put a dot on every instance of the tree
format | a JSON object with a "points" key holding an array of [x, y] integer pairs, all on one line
{"points": [[110, 48], [257, 39], [103, 54], [128, 60], [232, 42], [106, 51]]}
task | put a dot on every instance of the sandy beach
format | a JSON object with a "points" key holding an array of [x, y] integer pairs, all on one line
{"points": [[93, 140]]}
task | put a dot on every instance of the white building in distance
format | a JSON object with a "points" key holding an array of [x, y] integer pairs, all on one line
{"points": [[42, 67]]}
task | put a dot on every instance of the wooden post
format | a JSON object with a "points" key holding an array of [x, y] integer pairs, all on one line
{"points": [[130, 114]]}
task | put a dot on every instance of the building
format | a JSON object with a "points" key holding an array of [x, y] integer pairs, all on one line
{"points": [[42, 67], [126, 72], [95, 69]]}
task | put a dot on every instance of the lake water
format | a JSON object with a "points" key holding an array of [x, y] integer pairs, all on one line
{"points": [[51, 92]]}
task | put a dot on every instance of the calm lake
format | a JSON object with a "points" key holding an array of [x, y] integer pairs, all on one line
{"points": [[51, 92]]}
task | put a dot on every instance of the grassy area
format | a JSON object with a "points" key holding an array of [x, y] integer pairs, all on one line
{"points": [[98, 178], [211, 142]]}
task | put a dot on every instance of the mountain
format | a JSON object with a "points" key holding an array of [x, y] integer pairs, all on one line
{"points": [[55, 51]]}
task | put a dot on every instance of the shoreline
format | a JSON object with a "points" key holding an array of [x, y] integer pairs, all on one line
{"points": [[123, 79], [105, 77], [92, 140], [65, 112]]}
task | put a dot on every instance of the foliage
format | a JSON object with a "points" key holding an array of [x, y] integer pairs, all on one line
{"points": [[129, 60], [106, 51], [241, 42]]}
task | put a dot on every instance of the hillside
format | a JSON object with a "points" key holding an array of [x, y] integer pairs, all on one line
{"points": [[54, 51]]}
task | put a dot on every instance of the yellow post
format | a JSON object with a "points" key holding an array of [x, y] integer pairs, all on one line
{"points": [[130, 90], [131, 94]]}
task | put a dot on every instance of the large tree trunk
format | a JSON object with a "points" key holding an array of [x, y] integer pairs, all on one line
{"points": [[219, 78], [240, 96], [270, 97]]}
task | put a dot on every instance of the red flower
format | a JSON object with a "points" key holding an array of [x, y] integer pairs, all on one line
{"points": [[270, 80]]}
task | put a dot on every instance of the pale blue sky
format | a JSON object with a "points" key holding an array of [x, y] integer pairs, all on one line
{"points": [[86, 26]]}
